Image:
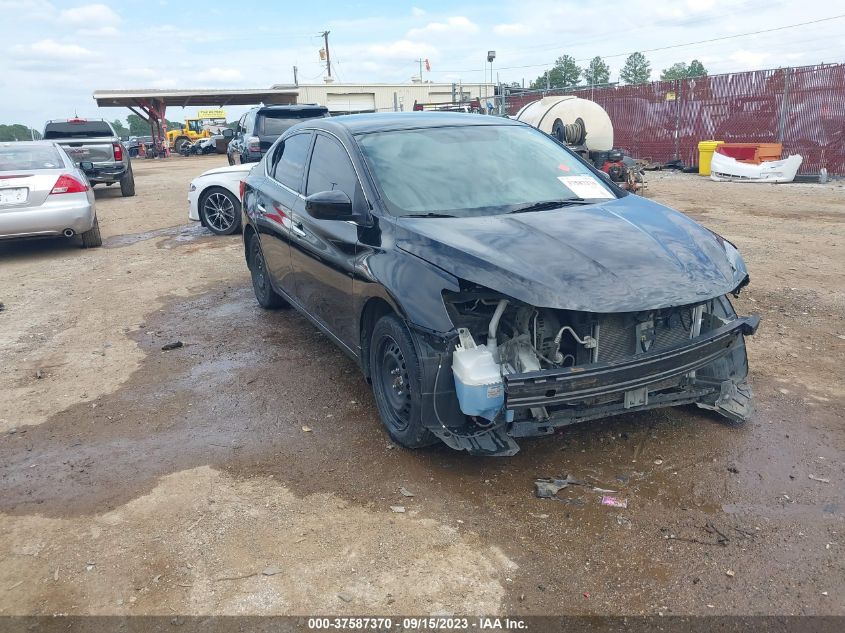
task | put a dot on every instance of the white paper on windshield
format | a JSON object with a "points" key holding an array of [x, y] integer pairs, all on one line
{"points": [[585, 187]]}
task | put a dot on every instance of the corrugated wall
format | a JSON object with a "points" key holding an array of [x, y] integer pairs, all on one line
{"points": [[802, 107]]}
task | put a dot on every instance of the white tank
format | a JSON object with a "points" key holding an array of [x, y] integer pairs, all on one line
{"points": [[572, 120]]}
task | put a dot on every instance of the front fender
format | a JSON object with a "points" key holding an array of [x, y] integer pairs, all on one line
{"points": [[411, 285]]}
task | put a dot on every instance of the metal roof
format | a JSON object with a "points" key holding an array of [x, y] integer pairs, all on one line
{"points": [[182, 98]]}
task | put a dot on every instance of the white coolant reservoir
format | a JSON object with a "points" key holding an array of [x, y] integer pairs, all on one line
{"points": [[478, 378]]}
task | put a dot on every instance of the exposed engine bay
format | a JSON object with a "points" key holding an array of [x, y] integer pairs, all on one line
{"points": [[536, 368]]}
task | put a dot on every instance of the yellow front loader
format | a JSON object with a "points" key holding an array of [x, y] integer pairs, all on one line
{"points": [[207, 123]]}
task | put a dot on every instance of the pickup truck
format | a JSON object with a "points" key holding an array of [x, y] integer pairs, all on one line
{"points": [[96, 148]]}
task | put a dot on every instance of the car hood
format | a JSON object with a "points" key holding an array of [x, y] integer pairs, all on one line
{"points": [[229, 168], [624, 255]]}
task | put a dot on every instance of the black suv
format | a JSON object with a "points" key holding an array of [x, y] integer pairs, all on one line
{"points": [[259, 128]]}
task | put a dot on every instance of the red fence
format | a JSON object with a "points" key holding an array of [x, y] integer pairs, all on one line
{"points": [[804, 108]]}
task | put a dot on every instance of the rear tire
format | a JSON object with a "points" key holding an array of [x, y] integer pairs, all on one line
{"points": [[91, 238], [127, 184], [396, 376], [267, 298]]}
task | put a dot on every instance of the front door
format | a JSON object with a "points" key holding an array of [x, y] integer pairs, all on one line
{"points": [[277, 200], [323, 251]]}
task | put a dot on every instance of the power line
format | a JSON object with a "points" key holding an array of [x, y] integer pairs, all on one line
{"points": [[698, 21], [664, 48]]}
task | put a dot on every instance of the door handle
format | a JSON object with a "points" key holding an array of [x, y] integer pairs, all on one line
{"points": [[260, 208], [297, 229]]}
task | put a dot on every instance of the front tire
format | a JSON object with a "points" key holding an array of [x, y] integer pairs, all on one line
{"points": [[92, 238], [220, 211], [396, 376], [179, 142], [267, 298]]}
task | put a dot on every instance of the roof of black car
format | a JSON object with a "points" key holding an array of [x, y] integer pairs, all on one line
{"points": [[389, 121], [294, 108]]}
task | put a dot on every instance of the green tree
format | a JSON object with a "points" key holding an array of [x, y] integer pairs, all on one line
{"points": [[137, 126], [597, 72], [120, 128], [680, 70], [140, 127], [563, 74], [696, 69], [675, 71], [637, 69], [18, 132]]}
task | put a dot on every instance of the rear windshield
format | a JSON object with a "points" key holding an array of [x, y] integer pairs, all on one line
{"points": [[83, 129], [26, 156], [275, 123]]}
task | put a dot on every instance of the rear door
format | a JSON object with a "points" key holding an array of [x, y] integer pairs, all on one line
{"points": [[323, 251], [277, 200]]}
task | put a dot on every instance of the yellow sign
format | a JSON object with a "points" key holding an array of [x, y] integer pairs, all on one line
{"points": [[670, 96], [211, 113]]}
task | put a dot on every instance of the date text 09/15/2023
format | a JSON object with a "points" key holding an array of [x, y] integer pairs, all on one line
{"points": [[425, 623]]}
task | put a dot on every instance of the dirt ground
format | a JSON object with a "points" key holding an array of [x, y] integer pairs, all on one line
{"points": [[139, 481]]}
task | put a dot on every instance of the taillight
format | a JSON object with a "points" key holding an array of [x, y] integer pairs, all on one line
{"points": [[254, 143], [241, 189], [118, 151], [68, 184]]}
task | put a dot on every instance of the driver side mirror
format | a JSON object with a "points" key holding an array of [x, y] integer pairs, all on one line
{"points": [[228, 132], [329, 205]]}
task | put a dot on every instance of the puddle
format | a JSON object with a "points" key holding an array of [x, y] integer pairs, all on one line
{"points": [[183, 233]]}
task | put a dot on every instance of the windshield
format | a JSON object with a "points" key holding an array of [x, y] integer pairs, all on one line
{"points": [[475, 170], [78, 128], [29, 156]]}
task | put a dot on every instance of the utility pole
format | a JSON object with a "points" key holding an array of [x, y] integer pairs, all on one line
{"points": [[295, 79], [420, 61], [328, 56]]}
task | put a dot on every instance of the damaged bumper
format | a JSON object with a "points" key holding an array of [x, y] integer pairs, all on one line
{"points": [[708, 370], [576, 384]]}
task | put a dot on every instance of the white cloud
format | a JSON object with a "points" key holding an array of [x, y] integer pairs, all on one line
{"points": [[89, 16], [405, 49], [103, 31], [417, 12], [749, 59], [456, 25], [50, 49], [218, 75], [515, 28]]}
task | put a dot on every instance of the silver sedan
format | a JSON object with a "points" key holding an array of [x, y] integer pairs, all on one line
{"points": [[43, 193]]}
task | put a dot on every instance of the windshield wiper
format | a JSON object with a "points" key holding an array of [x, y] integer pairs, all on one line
{"points": [[549, 204], [428, 215]]}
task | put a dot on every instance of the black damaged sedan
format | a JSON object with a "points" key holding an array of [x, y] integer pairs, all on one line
{"points": [[490, 284]]}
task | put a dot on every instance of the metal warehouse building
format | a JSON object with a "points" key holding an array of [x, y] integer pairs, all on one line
{"points": [[345, 98]]}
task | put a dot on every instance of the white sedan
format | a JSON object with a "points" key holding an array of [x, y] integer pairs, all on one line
{"points": [[215, 198]]}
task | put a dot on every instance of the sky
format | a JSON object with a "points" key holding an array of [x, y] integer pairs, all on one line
{"points": [[54, 54]]}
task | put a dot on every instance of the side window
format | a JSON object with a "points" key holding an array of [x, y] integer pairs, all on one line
{"points": [[331, 169], [290, 160], [241, 124]]}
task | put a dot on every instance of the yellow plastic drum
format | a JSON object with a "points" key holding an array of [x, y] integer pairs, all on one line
{"points": [[705, 155]]}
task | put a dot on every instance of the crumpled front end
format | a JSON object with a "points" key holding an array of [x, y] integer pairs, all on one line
{"points": [[519, 370]]}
